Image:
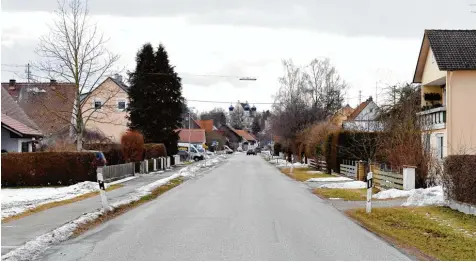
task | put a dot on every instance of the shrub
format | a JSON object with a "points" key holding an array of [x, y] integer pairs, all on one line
{"points": [[47, 168], [154, 151], [132, 145], [459, 180], [277, 148], [112, 152]]}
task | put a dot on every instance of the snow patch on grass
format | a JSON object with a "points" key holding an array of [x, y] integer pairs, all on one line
{"points": [[346, 185], [393, 193], [329, 179]]}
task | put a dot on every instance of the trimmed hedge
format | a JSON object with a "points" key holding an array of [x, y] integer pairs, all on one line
{"points": [[47, 168], [459, 178], [112, 152], [154, 151]]}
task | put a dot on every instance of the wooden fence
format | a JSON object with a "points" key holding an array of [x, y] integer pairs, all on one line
{"points": [[318, 164], [387, 179], [349, 168], [116, 172]]}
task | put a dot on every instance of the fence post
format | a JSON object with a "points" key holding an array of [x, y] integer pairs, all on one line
{"points": [[408, 177], [102, 189], [361, 171], [168, 162]]}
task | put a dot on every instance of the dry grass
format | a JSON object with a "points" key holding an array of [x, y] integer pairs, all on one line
{"points": [[123, 209], [437, 232], [344, 194], [302, 174], [46, 206]]}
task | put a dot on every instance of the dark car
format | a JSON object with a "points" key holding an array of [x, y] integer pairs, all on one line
{"points": [[258, 150], [251, 152]]}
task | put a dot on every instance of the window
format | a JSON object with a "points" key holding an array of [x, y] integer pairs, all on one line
{"points": [[121, 105], [97, 104], [24, 146], [439, 145]]}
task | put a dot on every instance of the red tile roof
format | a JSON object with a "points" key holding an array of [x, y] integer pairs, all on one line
{"points": [[18, 127], [195, 135], [49, 105], [245, 135], [359, 109], [206, 124]]}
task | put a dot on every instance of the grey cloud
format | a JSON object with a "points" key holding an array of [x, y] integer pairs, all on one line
{"points": [[404, 18]]}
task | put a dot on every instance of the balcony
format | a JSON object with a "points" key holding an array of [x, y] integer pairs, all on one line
{"points": [[434, 118]]}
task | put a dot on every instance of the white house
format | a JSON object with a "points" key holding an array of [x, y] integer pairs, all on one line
{"points": [[364, 117]]}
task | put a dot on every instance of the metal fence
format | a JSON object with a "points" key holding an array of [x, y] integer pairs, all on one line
{"points": [[116, 172]]}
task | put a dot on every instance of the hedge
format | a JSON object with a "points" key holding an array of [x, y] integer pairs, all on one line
{"points": [[47, 168], [112, 152], [459, 179], [348, 145], [154, 151]]}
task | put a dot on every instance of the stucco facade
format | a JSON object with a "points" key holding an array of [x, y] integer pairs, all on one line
{"points": [[110, 118], [460, 120]]}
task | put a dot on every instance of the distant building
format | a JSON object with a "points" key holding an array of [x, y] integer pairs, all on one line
{"points": [[364, 117]]}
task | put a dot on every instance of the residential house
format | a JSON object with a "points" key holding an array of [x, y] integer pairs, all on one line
{"points": [[50, 106], [104, 108], [194, 136], [341, 115], [363, 118], [238, 138], [446, 70], [19, 132]]}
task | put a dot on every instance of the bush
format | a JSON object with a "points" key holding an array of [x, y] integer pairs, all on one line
{"points": [[459, 180], [154, 151], [112, 152], [277, 148], [47, 168], [132, 145]]}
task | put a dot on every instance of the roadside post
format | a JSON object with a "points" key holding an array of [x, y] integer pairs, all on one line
{"points": [[102, 189], [292, 164], [368, 207]]}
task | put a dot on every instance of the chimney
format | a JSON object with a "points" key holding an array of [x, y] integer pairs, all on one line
{"points": [[12, 82], [370, 99], [118, 78]]}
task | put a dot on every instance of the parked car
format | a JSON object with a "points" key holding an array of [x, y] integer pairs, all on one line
{"points": [[258, 150], [251, 152]]}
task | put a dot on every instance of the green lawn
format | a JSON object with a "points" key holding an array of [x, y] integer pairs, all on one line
{"points": [[302, 174], [438, 232]]}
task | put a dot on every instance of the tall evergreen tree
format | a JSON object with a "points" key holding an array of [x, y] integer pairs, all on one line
{"points": [[255, 127], [156, 101]]}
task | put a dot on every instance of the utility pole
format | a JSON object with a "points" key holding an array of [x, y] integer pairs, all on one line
{"points": [[376, 92], [360, 96]]}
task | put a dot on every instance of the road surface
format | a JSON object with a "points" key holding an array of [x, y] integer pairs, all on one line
{"points": [[243, 210]]}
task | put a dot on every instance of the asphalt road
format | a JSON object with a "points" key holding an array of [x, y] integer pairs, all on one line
{"points": [[243, 210]]}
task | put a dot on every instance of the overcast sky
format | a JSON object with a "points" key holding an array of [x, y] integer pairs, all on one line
{"points": [[371, 42]]}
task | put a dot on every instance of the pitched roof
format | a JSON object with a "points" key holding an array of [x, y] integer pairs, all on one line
{"points": [[244, 134], [206, 124], [118, 81], [13, 110], [192, 135], [359, 109], [49, 105], [18, 127], [453, 49]]}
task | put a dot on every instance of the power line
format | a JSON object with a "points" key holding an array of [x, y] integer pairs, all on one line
{"points": [[202, 75], [228, 102]]}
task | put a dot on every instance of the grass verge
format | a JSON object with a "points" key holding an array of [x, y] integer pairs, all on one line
{"points": [[302, 174], [123, 209], [46, 206], [345, 194], [435, 232]]}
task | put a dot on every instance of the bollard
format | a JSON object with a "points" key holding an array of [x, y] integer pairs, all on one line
{"points": [[368, 207], [102, 189]]}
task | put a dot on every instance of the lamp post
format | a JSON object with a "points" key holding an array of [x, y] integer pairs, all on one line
{"points": [[189, 132]]}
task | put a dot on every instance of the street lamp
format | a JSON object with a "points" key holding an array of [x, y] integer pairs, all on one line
{"points": [[189, 132]]}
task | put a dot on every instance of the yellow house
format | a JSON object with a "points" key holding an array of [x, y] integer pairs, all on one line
{"points": [[104, 108], [446, 70]]}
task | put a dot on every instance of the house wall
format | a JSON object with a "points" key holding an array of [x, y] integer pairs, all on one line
{"points": [[13, 144], [433, 136], [109, 119], [431, 71], [460, 120], [368, 113]]}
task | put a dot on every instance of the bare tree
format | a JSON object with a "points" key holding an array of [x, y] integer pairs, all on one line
{"points": [[324, 85], [74, 51], [237, 118]]}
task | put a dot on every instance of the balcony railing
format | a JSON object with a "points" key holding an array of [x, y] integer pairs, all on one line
{"points": [[433, 118]]}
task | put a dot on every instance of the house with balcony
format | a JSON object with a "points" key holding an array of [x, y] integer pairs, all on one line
{"points": [[446, 70]]}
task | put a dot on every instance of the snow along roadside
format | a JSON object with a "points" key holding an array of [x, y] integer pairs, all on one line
{"points": [[33, 248]]}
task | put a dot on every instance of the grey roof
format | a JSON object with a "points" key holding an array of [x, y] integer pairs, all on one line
{"points": [[453, 49]]}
